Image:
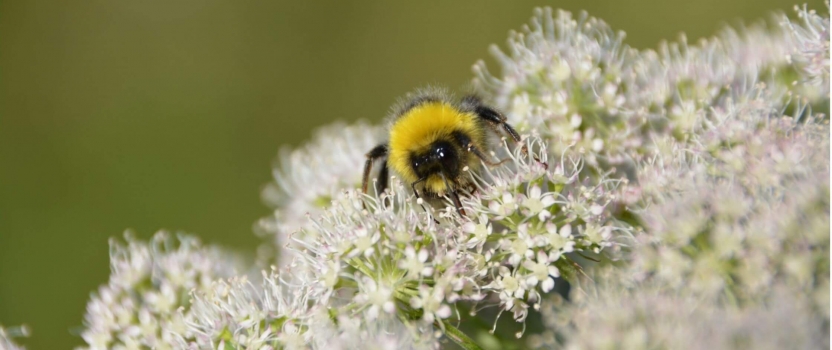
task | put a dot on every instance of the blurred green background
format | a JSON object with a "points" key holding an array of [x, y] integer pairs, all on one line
{"points": [[168, 114]]}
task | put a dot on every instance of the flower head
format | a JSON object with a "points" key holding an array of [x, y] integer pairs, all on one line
{"points": [[237, 313], [397, 254], [145, 302]]}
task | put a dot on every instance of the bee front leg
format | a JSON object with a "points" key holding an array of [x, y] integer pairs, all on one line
{"points": [[469, 146], [413, 186], [377, 152]]}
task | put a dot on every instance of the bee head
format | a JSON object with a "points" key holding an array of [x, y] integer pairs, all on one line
{"points": [[441, 157]]}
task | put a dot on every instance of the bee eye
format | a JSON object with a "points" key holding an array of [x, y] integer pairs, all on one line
{"points": [[418, 164], [446, 155], [441, 151]]}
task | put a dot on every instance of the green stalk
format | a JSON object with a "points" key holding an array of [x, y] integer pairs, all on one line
{"points": [[458, 337]]}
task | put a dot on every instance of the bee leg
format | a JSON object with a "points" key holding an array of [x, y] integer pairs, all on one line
{"points": [[495, 118], [454, 196], [413, 186], [467, 145], [481, 156], [472, 189], [375, 153], [457, 203], [383, 177], [381, 186]]}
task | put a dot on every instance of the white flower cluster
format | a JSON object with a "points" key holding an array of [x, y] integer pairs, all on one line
{"points": [[576, 83], [561, 78], [390, 269], [308, 178], [146, 302], [811, 55], [7, 336], [237, 314], [280, 313], [396, 255], [735, 214], [736, 241], [651, 317], [744, 207]]}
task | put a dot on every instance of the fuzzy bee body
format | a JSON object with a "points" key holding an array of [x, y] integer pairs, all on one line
{"points": [[432, 139]]}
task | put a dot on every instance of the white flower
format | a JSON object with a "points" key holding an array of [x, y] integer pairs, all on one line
{"points": [[7, 336], [518, 247], [541, 271], [414, 263], [504, 206], [560, 241], [508, 286], [378, 297], [479, 232], [520, 311], [430, 301], [330, 272], [537, 203], [364, 243], [596, 234]]}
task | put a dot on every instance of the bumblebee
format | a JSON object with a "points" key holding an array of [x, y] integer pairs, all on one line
{"points": [[432, 138]]}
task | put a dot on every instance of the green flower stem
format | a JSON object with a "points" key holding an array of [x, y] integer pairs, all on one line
{"points": [[457, 336]]}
